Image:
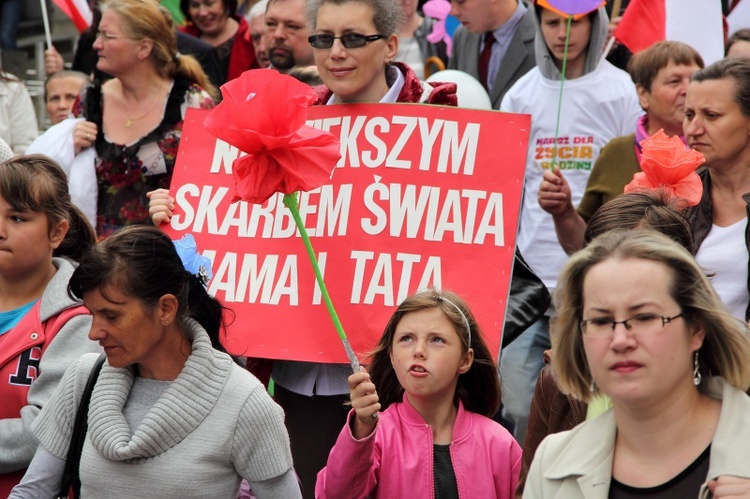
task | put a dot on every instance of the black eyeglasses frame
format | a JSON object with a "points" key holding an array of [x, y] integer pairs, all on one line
{"points": [[348, 40]]}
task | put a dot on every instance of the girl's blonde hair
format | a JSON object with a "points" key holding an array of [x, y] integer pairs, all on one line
{"points": [[726, 348]]}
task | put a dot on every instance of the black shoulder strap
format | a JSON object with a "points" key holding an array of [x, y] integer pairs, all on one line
{"points": [[80, 428]]}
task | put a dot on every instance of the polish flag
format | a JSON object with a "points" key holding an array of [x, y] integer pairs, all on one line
{"points": [[78, 11], [698, 23]]}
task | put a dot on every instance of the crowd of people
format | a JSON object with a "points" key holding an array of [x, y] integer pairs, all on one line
{"points": [[633, 382]]}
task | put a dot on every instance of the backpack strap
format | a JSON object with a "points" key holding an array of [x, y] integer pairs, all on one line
{"points": [[71, 477]]}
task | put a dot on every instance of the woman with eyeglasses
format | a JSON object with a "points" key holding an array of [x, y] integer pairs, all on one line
{"points": [[638, 320], [551, 410], [354, 44], [134, 121]]}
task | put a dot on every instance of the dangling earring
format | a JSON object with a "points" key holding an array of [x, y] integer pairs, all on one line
{"points": [[592, 386], [696, 370]]}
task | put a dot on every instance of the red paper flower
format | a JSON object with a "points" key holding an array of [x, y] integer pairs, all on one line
{"points": [[263, 113], [668, 164]]}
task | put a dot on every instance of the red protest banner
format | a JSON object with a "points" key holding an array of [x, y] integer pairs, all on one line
{"points": [[422, 196]]}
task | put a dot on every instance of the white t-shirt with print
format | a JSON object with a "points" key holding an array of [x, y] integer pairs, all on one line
{"points": [[596, 108]]}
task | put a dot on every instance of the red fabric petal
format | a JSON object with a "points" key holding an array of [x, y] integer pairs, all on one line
{"points": [[668, 164], [263, 113], [689, 189], [307, 163]]}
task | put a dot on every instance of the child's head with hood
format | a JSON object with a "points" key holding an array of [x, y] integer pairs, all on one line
{"points": [[586, 32]]}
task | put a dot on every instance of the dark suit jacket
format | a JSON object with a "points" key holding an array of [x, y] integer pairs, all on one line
{"points": [[203, 52], [519, 58]]}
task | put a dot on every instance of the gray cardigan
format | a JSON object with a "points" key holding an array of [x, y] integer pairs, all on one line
{"points": [[214, 424]]}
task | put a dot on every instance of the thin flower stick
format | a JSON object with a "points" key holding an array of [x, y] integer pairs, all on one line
{"points": [[290, 201]]}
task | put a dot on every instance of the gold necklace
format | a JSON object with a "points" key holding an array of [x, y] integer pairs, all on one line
{"points": [[129, 121]]}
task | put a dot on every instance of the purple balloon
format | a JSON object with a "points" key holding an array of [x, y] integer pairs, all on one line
{"points": [[575, 7]]}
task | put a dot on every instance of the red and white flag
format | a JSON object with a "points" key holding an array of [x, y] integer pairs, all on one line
{"points": [[78, 11], [698, 23]]}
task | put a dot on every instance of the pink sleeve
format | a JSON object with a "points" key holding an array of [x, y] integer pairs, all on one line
{"points": [[352, 467]]}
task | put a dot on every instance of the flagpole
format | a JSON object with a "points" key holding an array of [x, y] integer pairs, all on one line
{"points": [[562, 85], [616, 8], [606, 51], [45, 18]]}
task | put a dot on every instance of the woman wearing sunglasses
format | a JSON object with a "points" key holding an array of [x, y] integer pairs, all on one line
{"points": [[639, 321], [354, 44]]}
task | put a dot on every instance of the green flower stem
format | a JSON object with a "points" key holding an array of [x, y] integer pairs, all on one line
{"points": [[290, 201], [562, 84]]}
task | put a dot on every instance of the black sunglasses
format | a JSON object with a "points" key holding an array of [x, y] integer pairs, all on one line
{"points": [[349, 40]]}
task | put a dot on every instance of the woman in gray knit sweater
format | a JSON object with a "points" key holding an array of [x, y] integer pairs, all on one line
{"points": [[171, 414]]}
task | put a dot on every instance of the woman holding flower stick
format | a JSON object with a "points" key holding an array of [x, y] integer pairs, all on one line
{"points": [[661, 74], [354, 44], [435, 381]]}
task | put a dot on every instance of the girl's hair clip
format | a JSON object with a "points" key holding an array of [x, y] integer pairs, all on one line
{"points": [[203, 275], [195, 264]]}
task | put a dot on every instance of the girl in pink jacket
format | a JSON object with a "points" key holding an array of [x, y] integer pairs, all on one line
{"points": [[437, 384]]}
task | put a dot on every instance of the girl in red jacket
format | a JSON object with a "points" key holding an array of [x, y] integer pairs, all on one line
{"points": [[437, 386], [42, 330]]}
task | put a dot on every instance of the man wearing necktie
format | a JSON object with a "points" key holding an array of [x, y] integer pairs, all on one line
{"points": [[494, 44]]}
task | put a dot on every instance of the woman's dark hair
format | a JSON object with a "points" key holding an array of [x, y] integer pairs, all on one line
{"points": [[478, 388], [308, 75], [741, 35], [646, 209], [230, 7], [736, 68], [36, 183], [142, 262]]}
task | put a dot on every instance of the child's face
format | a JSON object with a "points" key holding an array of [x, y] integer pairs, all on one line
{"points": [[26, 241], [554, 28], [427, 356]]}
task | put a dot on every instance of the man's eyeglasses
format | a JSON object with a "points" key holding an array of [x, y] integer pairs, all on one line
{"points": [[643, 324], [349, 40]]}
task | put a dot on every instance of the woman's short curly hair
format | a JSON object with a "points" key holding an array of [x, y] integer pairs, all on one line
{"points": [[387, 15]]}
